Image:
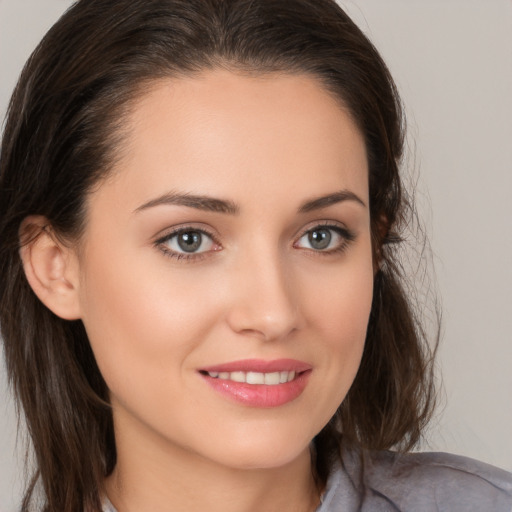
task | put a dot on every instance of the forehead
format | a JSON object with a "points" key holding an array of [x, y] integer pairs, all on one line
{"points": [[228, 133]]}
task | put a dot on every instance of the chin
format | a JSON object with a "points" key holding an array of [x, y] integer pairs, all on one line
{"points": [[263, 453]]}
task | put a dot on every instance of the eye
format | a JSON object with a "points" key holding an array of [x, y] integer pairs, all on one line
{"points": [[186, 243], [325, 239]]}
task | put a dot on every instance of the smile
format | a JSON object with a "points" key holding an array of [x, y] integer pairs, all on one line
{"points": [[259, 383], [269, 379]]}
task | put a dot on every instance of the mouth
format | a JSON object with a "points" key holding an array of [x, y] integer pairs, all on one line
{"points": [[255, 378], [258, 383]]}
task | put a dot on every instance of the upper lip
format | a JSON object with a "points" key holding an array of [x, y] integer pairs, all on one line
{"points": [[260, 366]]}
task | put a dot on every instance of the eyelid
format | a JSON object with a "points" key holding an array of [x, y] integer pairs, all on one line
{"points": [[169, 233], [164, 236], [186, 226], [341, 229], [333, 224]]}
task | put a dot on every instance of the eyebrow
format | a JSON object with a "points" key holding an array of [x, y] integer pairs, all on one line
{"points": [[330, 199], [200, 202], [212, 204]]}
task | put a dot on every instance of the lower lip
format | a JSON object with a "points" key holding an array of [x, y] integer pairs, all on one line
{"points": [[260, 395]]}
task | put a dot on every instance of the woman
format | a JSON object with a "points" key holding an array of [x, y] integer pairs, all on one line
{"points": [[200, 297]]}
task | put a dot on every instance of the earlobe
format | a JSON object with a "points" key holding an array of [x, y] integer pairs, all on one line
{"points": [[51, 267]]}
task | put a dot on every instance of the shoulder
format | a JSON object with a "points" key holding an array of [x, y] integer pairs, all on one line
{"points": [[419, 482], [447, 481]]}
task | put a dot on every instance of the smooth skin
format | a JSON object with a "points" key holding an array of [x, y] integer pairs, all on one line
{"points": [[255, 284]]}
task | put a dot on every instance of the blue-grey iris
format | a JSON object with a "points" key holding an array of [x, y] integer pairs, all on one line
{"points": [[190, 241], [320, 238]]}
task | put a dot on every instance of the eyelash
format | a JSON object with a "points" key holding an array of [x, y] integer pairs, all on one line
{"points": [[346, 235], [161, 243]]}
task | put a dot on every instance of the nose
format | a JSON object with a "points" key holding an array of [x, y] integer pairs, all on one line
{"points": [[264, 300]]}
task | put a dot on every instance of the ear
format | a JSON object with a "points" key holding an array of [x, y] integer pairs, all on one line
{"points": [[51, 267]]}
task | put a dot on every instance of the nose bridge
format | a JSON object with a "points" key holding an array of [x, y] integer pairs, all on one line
{"points": [[264, 304]]}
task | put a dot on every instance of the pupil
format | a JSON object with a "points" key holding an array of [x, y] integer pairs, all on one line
{"points": [[190, 241], [320, 238]]}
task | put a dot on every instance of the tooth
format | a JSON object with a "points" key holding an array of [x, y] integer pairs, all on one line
{"points": [[269, 379], [272, 378], [255, 378], [237, 376]]}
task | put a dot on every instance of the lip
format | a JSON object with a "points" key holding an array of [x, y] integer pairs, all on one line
{"points": [[259, 395], [260, 365]]}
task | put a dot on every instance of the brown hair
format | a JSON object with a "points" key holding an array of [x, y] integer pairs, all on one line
{"points": [[62, 132]]}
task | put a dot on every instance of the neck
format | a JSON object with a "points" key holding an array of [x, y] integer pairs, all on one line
{"points": [[173, 479]]}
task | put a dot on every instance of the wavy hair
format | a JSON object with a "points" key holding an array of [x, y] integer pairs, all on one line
{"points": [[61, 138]]}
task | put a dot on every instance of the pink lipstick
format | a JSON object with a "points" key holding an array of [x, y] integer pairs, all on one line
{"points": [[259, 383]]}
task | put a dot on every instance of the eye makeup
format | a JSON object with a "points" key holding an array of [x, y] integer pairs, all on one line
{"points": [[192, 243], [188, 243], [326, 239]]}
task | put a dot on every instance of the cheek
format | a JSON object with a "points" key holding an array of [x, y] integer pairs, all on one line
{"points": [[141, 320], [340, 317], [340, 296]]}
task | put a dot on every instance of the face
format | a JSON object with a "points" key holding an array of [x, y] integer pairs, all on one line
{"points": [[226, 268]]}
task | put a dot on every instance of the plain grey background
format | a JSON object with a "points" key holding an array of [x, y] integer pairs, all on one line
{"points": [[452, 60]]}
